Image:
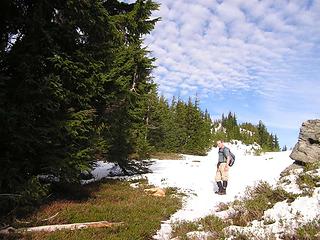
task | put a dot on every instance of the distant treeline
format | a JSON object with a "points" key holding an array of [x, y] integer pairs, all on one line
{"points": [[227, 128], [180, 127]]}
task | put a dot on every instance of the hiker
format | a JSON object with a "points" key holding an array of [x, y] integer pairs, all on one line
{"points": [[222, 168]]}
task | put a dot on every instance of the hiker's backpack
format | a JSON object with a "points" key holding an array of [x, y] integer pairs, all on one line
{"points": [[232, 158]]}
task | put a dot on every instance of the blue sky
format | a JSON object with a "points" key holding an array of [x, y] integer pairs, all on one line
{"points": [[259, 59]]}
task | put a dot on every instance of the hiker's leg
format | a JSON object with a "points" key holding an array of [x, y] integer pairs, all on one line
{"points": [[224, 187], [224, 178], [218, 179], [220, 188]]}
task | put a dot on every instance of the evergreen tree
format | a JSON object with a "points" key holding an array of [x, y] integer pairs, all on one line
{"points": [[249, 133], [160, 120], [181, 127], [181, 120], [193, 127], [263, 137], [246, 132], [276, 146], [75, 81], [231, 126]]}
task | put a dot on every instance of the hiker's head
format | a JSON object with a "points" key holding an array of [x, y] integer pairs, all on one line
{"points": [[220, 143]]}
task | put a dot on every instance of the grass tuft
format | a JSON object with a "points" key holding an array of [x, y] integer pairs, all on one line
{"points": [[307, 182], [311, 166], [308, 231], [257, 200], [166, 156], [222, 207], [113, 201], [212, 224]]}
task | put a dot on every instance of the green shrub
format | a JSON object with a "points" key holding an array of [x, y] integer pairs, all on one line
{"points": [[257, 200], [27, 197], [307, 182], [308, 231], [311, 166], [258, 152], [211, 223], [183, 227]]}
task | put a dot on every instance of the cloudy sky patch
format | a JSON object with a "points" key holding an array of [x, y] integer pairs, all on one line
{"points": [[259, 59]]}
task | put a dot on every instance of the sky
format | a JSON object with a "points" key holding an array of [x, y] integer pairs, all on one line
{"points": [[258, 59]]}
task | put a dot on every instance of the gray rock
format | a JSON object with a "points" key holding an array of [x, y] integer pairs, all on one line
{"points": [[295, 165], [307, 149]]}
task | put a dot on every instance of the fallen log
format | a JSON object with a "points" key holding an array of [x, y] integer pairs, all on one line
{"points": [[52, 228]]}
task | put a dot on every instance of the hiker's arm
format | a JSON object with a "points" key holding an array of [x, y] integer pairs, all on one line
{"points": [[228, 159]]}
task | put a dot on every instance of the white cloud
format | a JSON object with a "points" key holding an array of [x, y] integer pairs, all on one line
{"points": [[229, 12], [241, 46]]}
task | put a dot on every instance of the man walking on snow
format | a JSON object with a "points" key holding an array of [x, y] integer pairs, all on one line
{"points": [[222, 168]]}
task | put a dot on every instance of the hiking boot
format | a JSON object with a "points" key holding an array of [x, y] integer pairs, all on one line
{"points": [[220, 188], [223, 191], [224, 188]]}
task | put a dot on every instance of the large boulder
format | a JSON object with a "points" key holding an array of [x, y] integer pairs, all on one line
{"points": [[307, 150]]}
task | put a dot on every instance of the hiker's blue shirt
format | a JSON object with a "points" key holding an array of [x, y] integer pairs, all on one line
{"points": [[222, 156]]}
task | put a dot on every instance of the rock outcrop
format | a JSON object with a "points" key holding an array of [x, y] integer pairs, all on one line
{"points": [[307, 150]]}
